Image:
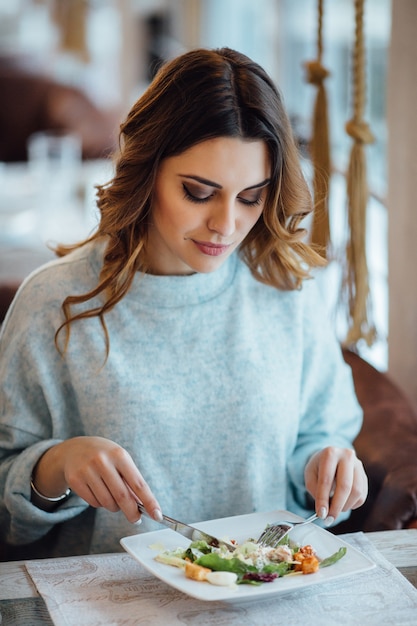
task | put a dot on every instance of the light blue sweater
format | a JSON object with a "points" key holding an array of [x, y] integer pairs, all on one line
{"points": [[218, 386]]}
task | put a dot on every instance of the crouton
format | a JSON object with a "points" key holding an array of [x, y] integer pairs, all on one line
{"points": [[196, 572], [310, 565]]}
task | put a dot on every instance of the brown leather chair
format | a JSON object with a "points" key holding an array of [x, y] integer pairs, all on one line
{"points": [[31, 101], [7, 293], [387, 445]]}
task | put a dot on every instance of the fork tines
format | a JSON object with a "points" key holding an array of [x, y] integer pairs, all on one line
{"points": [[272, 535]]}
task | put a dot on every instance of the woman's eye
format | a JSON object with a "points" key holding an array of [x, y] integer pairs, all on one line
{"points": [[251, 201], [193, 196], [200, 196]]}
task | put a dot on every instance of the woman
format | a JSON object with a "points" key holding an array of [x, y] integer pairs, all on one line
{"points": [[179, 356]]}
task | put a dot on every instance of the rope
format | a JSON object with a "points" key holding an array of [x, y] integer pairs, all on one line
{"points": [[320, 145], [71, 17], [356, 280]]}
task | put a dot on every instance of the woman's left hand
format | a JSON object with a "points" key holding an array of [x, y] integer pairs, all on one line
{"points": [[336, 479]]}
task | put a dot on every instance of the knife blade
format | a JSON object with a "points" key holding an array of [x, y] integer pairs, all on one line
{"points": [[190, 532]]}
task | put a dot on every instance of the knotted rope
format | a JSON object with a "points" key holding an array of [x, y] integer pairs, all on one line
{"points": [[356, 282], [71, 18], [316, 74]]}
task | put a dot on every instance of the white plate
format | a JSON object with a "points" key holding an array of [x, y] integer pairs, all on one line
{"points": [[241, 528]]}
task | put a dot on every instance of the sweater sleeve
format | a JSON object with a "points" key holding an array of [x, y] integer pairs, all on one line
{"points": [[31, 370], [330, 414]]}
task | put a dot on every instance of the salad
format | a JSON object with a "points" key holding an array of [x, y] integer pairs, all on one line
{"points": [[249, 563]]}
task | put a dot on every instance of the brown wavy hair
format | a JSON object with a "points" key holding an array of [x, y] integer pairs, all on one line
{"points": [[200, 95]]}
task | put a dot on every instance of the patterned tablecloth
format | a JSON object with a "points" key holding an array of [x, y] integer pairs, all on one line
{"points": [[114, 589]]}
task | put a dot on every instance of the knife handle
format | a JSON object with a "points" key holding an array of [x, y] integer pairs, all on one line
{"points": [[165, 519]]}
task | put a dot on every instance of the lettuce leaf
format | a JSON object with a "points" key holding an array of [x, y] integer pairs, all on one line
{"points": [[218, 564]]}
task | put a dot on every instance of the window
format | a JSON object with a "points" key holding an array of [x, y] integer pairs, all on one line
{"points": [[281, 35]]}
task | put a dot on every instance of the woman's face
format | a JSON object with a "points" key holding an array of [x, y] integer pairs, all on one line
{"points": [[205, 202]]}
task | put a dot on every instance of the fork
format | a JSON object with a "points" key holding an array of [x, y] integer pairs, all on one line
{"points": [[276, 531]]}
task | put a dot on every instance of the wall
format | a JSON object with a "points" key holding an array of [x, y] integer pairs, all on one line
{"points": [[402, 197]]}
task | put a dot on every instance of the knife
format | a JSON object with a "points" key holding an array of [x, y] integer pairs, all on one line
{"points": [[190, 532]]}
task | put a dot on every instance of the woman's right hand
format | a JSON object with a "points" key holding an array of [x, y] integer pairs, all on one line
{"points": [[99, 471]]}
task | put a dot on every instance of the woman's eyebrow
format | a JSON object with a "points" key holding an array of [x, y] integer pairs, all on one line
{"points": [[264, 183], [210, 183]]}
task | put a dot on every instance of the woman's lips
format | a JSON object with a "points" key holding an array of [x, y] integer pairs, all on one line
{"points": [[211, 249]]}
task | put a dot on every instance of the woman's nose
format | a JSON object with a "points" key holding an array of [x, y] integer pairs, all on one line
{"points": [[222, 219]]}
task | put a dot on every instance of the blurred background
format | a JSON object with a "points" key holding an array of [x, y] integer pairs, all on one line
{"points": [[76, 66]]}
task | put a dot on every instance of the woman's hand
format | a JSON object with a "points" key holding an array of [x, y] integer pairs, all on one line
{"points": [[337, 481], [99, 471]]}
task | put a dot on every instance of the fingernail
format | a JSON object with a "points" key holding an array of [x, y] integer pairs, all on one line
{"points": [[157, 515], [139, 522], [322, 512], [329, 520]]}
